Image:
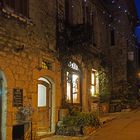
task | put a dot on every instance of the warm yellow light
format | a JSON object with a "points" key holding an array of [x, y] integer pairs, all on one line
{"points": [[92, 90], [138, 74]]}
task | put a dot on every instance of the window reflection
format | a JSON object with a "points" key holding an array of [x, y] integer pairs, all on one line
{"points": [[73, 85], [41, 95], [94, 89]]}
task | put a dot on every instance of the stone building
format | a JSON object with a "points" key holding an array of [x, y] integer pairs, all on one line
{"points": [[84, 45], [97, 45], [29, 71], [53, 54], [123, 53]]}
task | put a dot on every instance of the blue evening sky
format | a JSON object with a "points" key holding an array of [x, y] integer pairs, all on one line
{"points": [[137, 31]]}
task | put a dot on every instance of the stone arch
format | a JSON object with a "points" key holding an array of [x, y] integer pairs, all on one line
{"points": [[3, 92]]}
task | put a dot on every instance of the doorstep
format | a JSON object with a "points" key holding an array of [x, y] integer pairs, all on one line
{"points": [[43, 134]]}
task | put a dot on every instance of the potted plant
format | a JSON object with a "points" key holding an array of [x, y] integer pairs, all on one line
{"points": [[104, 102], [63, 112]]}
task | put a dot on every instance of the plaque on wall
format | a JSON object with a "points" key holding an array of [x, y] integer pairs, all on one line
{"points": [[17, 97]]}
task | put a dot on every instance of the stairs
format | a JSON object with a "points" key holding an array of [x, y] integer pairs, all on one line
{"points": [[42, 133]]}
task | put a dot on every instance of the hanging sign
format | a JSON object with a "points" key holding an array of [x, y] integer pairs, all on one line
{"points": [[131, 56]]}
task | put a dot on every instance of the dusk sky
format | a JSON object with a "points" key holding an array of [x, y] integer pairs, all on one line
{"points": [[137, 31]]}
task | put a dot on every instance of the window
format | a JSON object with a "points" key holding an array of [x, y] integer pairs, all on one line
{"points": [[74, 66], [112, 37], [41, 95], [68, 9], [42, 92], [18, 6], [94, 83], [73, 84], [73, 88], [93, 29], [47, 65]]}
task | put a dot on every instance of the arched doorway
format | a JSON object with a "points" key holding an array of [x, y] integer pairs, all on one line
{"points": [[44, 104], [3, 105]]}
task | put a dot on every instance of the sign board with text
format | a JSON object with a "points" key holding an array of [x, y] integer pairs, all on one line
{"points": [[17, 97]]}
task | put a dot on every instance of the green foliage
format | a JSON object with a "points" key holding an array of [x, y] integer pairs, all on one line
{"points": [[104, 85], [104, 97], [128, 97], [82, 119], [73, 124]]}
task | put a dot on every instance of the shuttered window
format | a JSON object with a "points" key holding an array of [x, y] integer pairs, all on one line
{"points": [[19, 6]]}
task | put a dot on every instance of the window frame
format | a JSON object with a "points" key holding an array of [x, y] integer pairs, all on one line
{"points": [[72, 71], [93, 84], [112, 37], [71, 101], [41, 82]]}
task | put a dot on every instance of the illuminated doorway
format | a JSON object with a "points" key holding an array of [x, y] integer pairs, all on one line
{"points": [[73, 91], [44, 104]]}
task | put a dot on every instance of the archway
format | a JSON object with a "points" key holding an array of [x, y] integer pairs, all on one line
{"points": [[3, 105], [45, 104]]}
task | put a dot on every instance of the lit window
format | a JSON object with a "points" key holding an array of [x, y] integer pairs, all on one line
{"points": [[94, 83], [44, 65], [73, 84], [47, 65], [43, 92], [73, 66], [73, 92], [41, 95]]}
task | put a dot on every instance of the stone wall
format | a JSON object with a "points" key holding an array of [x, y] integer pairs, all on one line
{"points": [[24, 44]]}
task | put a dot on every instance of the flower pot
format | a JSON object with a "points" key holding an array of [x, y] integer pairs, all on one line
{"points": [[104, 107]]}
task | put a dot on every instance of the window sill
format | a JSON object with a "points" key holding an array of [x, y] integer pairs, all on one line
{"points": [[74, 103], [9, 13]]}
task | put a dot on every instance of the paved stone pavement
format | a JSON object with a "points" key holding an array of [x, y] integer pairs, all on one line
{"points": [[125, 127]]}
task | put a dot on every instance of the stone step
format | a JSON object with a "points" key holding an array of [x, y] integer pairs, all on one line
{"points": [[43, 134]]}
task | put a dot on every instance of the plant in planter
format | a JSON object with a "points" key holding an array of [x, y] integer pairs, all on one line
{"points": [[104, 96], [104, 102], [76, 124]]}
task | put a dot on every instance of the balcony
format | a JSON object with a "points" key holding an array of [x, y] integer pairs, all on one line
{"points": [[79, 34]]}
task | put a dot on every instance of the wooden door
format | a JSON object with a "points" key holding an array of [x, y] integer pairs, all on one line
{"points": [[44, 110]]}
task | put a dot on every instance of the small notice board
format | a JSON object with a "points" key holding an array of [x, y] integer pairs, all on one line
{"points": [[17, 97]]}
